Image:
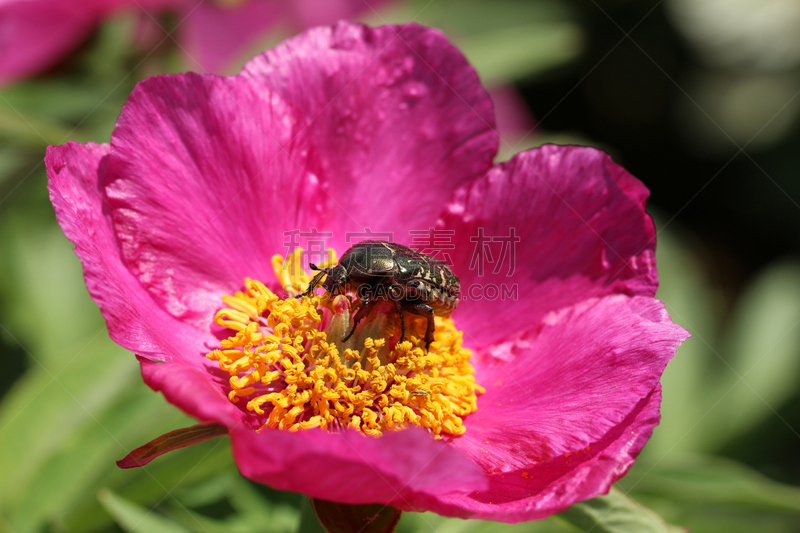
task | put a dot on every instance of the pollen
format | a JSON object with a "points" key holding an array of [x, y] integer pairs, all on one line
{"points": [[288, 364]]}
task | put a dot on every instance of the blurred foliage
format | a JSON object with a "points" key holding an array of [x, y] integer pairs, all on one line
{"points": [[742, 360], [73, 402]]}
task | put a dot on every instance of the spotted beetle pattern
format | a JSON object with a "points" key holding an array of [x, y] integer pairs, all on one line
{"points": [[379, 271]]}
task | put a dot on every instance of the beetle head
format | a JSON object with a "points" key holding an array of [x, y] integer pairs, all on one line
{"points": [[336, 279]]}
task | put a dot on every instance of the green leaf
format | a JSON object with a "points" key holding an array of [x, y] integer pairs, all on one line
{"points": [[519, 52], [250, 502], [25, 129], [42, 419], [158, 480], [12, 162], [197, 523], [714, 495], [712, 482], [733, 373], [67, 437], [309, 523], [433, 523], [64, 100], [469, 17], [616, 513], [253, 511], [49, 309], [761, 352], [132, 517]]}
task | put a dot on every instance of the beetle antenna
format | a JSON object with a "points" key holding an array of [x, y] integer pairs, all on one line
{"points": [[313, 284], [315, 268]]}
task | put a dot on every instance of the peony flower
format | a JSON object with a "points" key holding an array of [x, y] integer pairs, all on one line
{"points": [[526, 402], [36, 34]]}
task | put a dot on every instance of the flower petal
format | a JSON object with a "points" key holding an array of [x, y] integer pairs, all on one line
{"points": [[581, 232], [134, 320], [586, 376], [406, 469], [572, 380], [215, 35], [514, 119], [195, 391], [309, 13], [34, 35], [553, 486], [397, 113], [168, 442], [205, 175]]}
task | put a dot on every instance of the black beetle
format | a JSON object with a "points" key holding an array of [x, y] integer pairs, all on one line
{"points": [[379, 271]]}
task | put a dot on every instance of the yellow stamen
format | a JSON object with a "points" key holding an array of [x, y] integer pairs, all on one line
{"points": [[290, 272], [287, 361]]}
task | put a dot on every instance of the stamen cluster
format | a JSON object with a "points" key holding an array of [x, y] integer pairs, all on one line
{"points": [[284, 366]]}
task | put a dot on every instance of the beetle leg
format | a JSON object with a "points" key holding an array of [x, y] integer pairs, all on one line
{"points": [[399, 308], [426, 311], [366, 305]]}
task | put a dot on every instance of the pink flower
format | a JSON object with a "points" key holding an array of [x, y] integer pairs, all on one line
{"points": [[345, 128], [36, 34]]}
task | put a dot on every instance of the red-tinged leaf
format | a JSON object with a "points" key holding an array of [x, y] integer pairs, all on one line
{"points": [[180, 438], [344, 518]]}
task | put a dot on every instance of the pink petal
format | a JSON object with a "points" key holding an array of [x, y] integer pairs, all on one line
{"points": [[134, 320], [572, 389], [205, 175], [571, 381], [582, 232], [406, 469], [36, 34], [514, 120], [310, 13], [553, 486], [213, 36], [398, 115], [168, 442], [197, 392]]}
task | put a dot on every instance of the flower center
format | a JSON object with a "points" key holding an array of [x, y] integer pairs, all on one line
{"points": [[287, 360]]}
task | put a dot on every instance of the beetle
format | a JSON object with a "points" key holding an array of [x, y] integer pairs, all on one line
{"points": [[379, 271]]}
